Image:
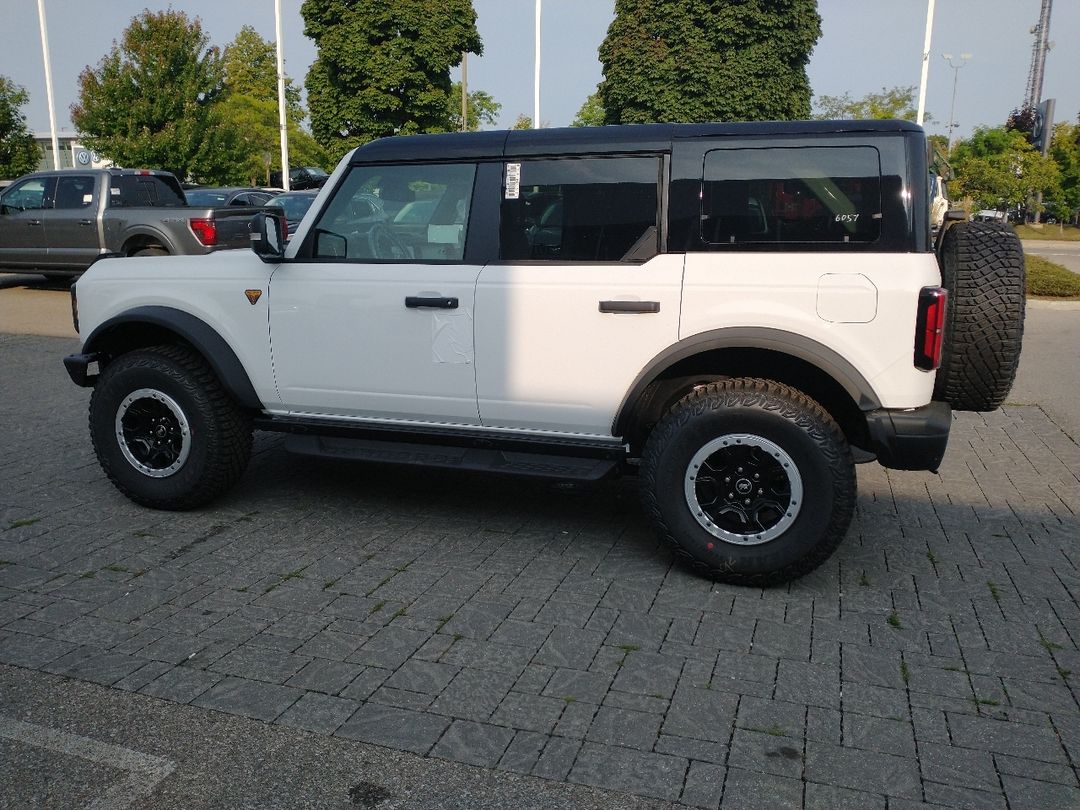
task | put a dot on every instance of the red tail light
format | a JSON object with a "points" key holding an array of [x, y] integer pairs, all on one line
{"points": [[205, 231], [930, 327]]}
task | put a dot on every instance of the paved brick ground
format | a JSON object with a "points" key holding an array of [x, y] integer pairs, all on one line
{"points": [[508, 625]]}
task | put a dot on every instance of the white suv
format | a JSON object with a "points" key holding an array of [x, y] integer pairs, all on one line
{"points": [[739, 312]]}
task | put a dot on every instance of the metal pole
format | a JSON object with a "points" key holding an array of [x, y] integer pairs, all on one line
{"points": [[925, 62], [48, 84], [464, 91], [536, 75], [948, 57], [282, 121]]}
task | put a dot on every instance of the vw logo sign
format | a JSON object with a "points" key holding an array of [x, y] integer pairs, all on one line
{"points": [[83, 157]]}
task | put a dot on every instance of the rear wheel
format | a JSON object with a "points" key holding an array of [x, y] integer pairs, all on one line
{"points": [[152, 250], [751, 481], [165, 431]]}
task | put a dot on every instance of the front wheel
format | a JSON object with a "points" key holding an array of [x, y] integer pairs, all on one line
{"points": [[751, 481], [164, 430]]}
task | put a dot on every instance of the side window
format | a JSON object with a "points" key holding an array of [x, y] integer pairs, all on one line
{"points": [[74, 191], [26, 196], [416, 212], [791, 195], [580, 209], [137, 190]]}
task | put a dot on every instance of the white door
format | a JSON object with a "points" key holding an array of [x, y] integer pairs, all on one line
{"points": [[579, 302], [374, 320]]}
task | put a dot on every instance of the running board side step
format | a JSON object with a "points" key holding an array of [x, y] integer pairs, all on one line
{"points": [[503, 462]]}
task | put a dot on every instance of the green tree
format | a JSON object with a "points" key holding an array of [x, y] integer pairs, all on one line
{"points": [[708, 60], [591, 113], [999, 169], [481, 108], [891, 102], [19, 152], [1065, 152], [150, 100], [251, 70], [383, 66], [257, 146], [249, 111]]}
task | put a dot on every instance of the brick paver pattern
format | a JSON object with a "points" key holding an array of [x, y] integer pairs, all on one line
{"points": [[932, 661]]}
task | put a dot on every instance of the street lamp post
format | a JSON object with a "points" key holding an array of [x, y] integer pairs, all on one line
{"points": [[948, 57]]}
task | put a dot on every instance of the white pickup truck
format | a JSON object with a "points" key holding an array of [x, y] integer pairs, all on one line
{"points": [[737, 313]]}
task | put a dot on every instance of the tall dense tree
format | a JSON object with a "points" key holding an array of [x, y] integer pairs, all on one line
{"points": [[19, 152], [250, 64], [383, 66], [708, 60], [150, 100], [249, 108], [891, 102]]}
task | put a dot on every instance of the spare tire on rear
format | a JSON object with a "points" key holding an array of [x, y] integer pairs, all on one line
{"points": [[982, 267]]}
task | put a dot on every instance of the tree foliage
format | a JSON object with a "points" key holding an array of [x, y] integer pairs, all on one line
{"points": [[591, 113], [480, 107], [891, 102], [150, 100], [999, 169], [383, 66], [251, 70], [19, 152], [249, 109], [1065, 152], [708, 60]]}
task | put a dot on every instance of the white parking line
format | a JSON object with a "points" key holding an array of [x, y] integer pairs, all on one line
{"points": [[144, 771]]}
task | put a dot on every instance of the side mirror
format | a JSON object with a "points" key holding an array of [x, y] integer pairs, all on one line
{"points": [[268, 234]]}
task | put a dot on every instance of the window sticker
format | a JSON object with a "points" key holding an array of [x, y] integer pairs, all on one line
{"points": [[513, 181]]}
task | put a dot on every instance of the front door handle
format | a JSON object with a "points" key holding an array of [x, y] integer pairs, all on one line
{"points": [[34, 222], [430, 302], [86, 222], [629, 306]]}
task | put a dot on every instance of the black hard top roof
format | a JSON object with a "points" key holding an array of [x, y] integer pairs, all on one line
{"points": [[592, 140]]}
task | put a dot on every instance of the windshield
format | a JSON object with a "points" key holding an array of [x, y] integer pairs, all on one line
{"points": [[295, 206]]}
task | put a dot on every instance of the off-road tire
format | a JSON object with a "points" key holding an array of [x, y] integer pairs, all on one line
{"points": [[771, 414], [219, 431], [982, 267]]}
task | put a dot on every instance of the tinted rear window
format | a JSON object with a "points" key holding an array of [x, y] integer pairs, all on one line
{"points": [[134, 190]]}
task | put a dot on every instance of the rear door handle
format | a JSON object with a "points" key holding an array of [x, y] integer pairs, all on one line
{"points": [[430, 302], [629, 306], [34, 222]]}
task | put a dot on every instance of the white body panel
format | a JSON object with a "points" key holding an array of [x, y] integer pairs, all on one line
{"points": [[211, 288], [548, 359], [344, 343], [791, 292]]}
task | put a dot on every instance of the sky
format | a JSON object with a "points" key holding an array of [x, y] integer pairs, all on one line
{"points": [[866, 45]]}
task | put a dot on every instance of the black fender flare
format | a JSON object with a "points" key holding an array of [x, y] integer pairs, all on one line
{"points": [[202, 337], [750, 337]]}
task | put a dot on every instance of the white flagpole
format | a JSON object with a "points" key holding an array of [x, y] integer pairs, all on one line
{"points": [[48, 83], [536, 74], [282, 122], [925, 62]]}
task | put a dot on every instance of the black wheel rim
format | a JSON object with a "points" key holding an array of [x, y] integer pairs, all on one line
{"points": [[743, 489], [153, 432]]}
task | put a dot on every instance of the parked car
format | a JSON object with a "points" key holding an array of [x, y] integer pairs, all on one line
{"points": [[228, 196], [734, 312], [301, 178], [294, 204], [988, 215], [60, 222]]}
